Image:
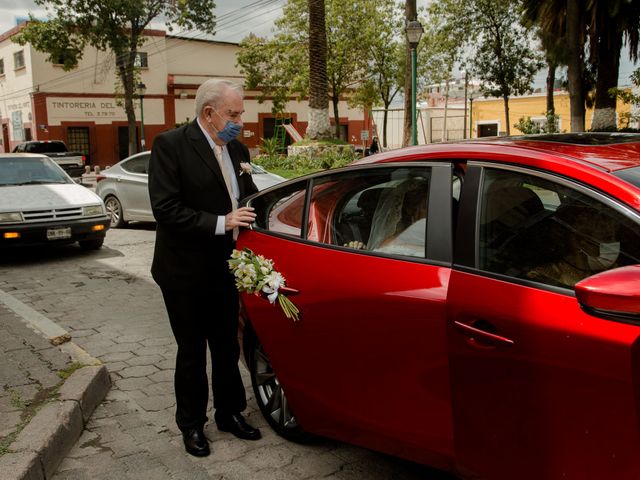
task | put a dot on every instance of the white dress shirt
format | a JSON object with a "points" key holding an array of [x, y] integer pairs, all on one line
{"points": [[234, 180]]}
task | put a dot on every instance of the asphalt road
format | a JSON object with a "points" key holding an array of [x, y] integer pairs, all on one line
{"points": [[108, 302]]}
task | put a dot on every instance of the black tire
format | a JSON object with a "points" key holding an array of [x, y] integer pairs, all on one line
{"points": [[114, 209], [91, 244], [270, 396]]}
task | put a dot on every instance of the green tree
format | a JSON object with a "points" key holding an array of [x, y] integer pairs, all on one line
{"points": [[627, 96], [504, 61], [114, 25], [386, 60], [273, 67], [349, 28], [446, 24]]}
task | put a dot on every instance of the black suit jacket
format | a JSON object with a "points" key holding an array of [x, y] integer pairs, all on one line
{"points": [[188, 194]]}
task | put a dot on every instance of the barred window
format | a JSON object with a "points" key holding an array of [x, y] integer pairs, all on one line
{"points": [[18, 60]]}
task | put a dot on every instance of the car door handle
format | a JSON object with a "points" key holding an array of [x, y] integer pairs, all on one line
{"points": [[482, 336]]}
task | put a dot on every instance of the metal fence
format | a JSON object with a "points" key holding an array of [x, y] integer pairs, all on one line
{"points": [[429, 127]]}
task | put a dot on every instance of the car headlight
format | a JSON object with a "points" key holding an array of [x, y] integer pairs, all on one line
{"points": [[92, 210], [10, 217]]}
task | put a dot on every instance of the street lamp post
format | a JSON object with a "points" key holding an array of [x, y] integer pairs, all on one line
{"points": [[414, 32], [142, 88], [464, 123]]}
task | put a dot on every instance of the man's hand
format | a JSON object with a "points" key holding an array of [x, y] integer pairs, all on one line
{"points": [[242, 217]]}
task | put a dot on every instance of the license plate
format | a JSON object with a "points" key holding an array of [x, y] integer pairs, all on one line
{"points": [[58, 233]]}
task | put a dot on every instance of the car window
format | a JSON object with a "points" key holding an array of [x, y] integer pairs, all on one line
{"points": [[49, 147], [281, 210], [381, 210], [137, 164], [536, 229], [30, 171]]}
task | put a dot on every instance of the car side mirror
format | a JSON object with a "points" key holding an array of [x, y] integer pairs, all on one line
{"points": [[614, 294]]}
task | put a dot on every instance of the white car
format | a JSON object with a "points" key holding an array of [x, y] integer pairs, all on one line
{"points": [[41, 204], [124, 188]]}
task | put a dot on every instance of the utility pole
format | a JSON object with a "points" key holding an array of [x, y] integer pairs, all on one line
{"points": [[411, 14]]}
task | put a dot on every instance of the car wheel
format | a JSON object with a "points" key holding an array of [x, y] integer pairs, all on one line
{"points": [[91, 244], [271, 398], [114, 209]]}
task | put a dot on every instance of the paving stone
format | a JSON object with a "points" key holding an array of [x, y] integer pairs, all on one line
{"points": [[145, 360], [157, 402], [138, 371]]}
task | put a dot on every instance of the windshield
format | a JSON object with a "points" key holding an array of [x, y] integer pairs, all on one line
{"points": [[30, 171], [631, 175]]}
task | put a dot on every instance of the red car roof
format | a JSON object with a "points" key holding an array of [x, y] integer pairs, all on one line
{"points": [[608, 152], [588, 157]]}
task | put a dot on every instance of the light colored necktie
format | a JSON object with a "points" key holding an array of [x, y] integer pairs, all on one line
{"points": [[217, 149]]}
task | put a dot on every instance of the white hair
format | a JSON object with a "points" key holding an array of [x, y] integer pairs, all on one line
{"points": [[212, 92]]}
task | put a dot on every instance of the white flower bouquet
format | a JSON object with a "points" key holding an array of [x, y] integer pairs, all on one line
{"points": [[255, 274]]}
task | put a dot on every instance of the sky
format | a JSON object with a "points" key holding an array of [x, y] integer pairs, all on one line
{"points": [[236, 18]]}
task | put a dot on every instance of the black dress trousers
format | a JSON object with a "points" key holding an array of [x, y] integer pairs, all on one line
{"points": [[200, 317]]}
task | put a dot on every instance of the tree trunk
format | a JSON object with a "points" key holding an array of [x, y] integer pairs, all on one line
{"points": [[336, 116], [551, 80], [126, 74], [411, 13], [319, 126], [575, 64], [385, 119], [505, 99], [604, 115]]}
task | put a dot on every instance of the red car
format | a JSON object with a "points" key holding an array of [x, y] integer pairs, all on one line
{"points": [[473, 306]]}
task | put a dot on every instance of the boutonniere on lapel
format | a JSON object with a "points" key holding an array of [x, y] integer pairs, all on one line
{"points": [[245, 168]]}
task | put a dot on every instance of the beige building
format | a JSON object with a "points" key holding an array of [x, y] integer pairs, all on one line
{"points": [[39, 100]]}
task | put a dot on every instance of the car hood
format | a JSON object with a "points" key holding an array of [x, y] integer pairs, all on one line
{"points": [[33, 197]]}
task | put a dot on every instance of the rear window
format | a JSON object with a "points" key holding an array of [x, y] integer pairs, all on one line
{"points": [[631, 175], [42, 147]]}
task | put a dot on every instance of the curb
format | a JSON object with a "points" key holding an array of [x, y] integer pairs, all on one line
{"points": [[47, 439], [54, 430]]}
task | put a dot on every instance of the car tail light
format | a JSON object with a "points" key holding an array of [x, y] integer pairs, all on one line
{"points": [[84, 159], [99, 178]]}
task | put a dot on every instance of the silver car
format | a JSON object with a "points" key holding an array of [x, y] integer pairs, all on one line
{"points": [[124, 188]]}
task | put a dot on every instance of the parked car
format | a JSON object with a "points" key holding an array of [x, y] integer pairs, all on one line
{"points": [[41, 204], [72, 162], [496, 338], [124, 188]]}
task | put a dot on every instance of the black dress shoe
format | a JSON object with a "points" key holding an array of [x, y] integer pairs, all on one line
{"points": [[195, 442], [237, 425]]}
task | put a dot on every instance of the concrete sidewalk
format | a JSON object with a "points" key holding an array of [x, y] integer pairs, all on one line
{"points": [[48, 392]]}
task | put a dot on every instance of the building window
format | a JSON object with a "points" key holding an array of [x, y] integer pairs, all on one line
{"points": [[1, 66], [18, 60], [78, 140], [141, 60]]}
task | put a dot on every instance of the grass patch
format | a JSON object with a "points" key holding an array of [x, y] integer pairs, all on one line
{"points": [[66, 373]]}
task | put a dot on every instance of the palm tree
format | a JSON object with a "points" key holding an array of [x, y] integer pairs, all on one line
{"points": [[565, 19], [319, 126], [410, 13], [611, 22]]}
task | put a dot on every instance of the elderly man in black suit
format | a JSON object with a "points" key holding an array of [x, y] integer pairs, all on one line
{"points": [[195, 181]]}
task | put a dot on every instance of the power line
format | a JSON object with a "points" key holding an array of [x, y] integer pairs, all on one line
{"points": [[223, 21]]}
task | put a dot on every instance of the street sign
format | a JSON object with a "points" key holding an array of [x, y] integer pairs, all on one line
{"points": [[364, 134]]}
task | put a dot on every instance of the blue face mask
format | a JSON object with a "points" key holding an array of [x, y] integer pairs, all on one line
{"points": [[230, 131]]}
